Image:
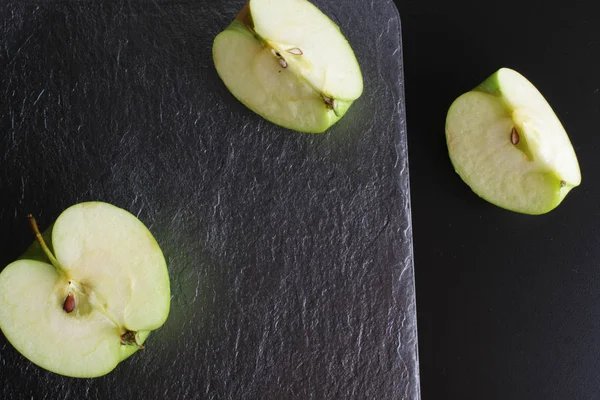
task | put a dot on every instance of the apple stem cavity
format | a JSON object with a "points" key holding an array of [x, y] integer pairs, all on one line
{"points": [[42, 243]]}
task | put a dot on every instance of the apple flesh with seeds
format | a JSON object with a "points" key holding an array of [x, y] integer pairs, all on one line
{"points": [[86, 295], [507, 144], [289, 63]]}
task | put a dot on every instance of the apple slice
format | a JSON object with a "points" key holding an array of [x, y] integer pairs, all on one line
{"points": [[506, 143], [94, 301], [288, 62]]}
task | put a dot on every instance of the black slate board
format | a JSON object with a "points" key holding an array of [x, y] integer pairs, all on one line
{"points": [[290, 254]]}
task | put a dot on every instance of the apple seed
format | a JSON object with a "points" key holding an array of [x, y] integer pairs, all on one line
{"points": [[514, 136], [69, 304], [281, 60], [295, 51]]}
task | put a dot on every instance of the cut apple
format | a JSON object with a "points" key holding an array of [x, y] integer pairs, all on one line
{"points": [[288, 62], [506, 143], [89, 305]]}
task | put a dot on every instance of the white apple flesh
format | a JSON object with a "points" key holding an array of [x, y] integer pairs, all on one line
{"points": [[94, 301], [507, 144], [289, 63]]}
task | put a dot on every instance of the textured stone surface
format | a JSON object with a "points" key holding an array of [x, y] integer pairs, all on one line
{"points": [[290, 255]]}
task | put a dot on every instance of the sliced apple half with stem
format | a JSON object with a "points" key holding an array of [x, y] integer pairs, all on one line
{"points": [[290, 63], [86, 295], [507, 144]]}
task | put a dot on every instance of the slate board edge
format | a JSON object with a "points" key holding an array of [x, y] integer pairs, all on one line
{"points": [[402, 125]]}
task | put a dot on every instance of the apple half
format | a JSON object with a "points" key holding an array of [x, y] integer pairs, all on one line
{"points": [[87, 294], [507, 144], [289, 63]]}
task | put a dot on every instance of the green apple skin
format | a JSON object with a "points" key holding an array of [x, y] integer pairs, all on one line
{"points": [[532, 175], [314, 90], [115, 261]]}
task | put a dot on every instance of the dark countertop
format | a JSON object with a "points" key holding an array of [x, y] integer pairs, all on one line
{"points": [[507, 304], [290, 255]]}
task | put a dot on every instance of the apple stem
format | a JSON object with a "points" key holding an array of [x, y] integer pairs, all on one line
{"points": [[42, 243]]}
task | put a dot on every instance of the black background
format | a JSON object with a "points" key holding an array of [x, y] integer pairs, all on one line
{"points": [[508, 304]]}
